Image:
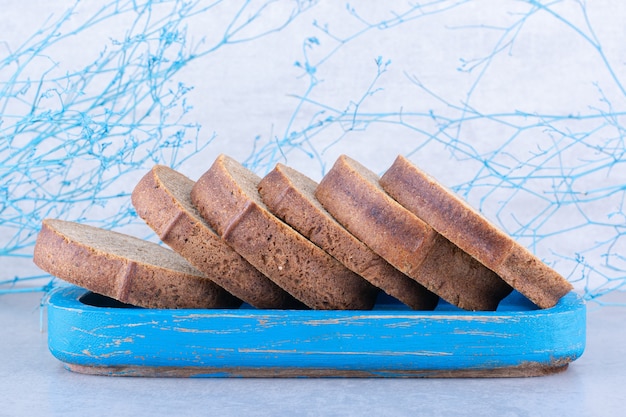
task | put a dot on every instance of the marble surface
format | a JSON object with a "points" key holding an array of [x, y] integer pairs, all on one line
{"points": [[35, 383]]}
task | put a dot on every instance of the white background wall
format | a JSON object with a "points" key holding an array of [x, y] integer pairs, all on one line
{"points": [[519, 106]]}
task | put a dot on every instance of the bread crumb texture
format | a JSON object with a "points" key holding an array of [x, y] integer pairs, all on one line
{"points": [[286, 242]]}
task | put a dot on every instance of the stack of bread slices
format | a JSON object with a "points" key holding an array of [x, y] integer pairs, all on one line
{"points": [[287, 242]]}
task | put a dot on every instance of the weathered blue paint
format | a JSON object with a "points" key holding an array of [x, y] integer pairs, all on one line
{"points": [[387, 341]]}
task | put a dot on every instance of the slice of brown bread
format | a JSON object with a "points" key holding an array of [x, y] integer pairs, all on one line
{"points": [[123, 267], [163, 199], [352, 194], [227, 197], [460, 223], [289, 194]]}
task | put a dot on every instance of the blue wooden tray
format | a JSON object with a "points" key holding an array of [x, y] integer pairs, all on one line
{"points": [[96, 335]]}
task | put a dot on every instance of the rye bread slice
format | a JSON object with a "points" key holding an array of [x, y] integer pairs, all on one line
{"points": [[227, 197], [162, 199], [125, 268], [468, 229], [351, 193], [289, 195]]}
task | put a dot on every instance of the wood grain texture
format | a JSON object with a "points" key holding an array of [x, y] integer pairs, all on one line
{"points": [[527, 370], [390, 341]]}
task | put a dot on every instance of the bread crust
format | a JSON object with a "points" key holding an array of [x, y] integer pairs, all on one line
{"points": [[163, 199], [227, 197], [467, 228], [125, 268], [289, 195], [352, 194]]}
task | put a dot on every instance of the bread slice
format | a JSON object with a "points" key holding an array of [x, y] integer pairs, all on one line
{"points": [[352, 194], [227, 197], [163, 199], [460, 223], [125, 268], [289, 194]]}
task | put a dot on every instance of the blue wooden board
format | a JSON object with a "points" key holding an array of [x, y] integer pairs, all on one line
{"points": [[92, 334]]}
